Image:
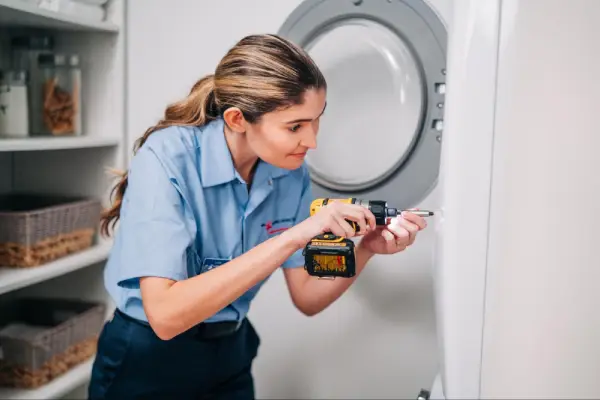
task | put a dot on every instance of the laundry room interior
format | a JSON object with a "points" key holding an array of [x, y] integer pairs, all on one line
{"points": [[480, 112]]}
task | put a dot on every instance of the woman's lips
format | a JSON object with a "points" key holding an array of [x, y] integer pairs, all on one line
{"points": [[298, 155]]}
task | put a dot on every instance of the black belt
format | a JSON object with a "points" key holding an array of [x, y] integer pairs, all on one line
{"points": [[213, 330], [202, 331]]}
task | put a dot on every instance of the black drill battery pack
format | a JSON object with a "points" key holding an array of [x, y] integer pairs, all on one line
{"points": [[330, 256]]}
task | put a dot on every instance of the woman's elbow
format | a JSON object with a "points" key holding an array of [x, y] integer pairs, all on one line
{"points": [[162, 325], [309, 310], [159, 311], [164, 333]]}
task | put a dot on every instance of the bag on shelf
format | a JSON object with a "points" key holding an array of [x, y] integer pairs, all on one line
{"points": [[36, 228], [41, 339]]}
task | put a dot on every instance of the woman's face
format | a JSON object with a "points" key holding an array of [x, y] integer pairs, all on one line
{"points": [[282, 138]]}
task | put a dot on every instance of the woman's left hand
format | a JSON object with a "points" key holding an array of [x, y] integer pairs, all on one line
{"points": [[394, 237]]}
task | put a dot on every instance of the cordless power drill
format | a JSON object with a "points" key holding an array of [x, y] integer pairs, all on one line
{"points": [[330, 256]]}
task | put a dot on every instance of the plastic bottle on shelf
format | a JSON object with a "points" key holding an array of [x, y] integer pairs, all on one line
{"points": [[14, 119], [61, 95]]}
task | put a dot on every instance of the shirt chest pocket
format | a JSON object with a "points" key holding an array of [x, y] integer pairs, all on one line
{"points": [[210, 263]]}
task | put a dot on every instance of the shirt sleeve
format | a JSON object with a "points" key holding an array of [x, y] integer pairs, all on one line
{"points": [[297, 259], [155, 232]]}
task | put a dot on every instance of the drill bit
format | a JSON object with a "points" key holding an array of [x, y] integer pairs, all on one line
{"points": [[394, 212]]}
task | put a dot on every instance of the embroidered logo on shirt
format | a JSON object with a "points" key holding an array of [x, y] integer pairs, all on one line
{"points": [[273, 227]]}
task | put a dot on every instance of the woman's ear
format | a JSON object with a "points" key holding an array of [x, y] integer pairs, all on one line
{"points": [[235, 120]]}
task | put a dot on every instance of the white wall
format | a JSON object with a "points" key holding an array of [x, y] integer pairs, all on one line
{"points": [[379, 340]]}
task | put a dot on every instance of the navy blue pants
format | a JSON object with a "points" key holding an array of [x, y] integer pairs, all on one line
{"points": [[133, 363]]}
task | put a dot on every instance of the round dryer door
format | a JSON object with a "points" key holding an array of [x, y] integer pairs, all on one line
{"points": [[384, 62]]}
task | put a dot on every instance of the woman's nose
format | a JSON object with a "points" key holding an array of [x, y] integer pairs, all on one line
{"points": [[309, 140]]}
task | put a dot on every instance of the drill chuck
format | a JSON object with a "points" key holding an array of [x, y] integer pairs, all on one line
{"points": [[379, 209]]}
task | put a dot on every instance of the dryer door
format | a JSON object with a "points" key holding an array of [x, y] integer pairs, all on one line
{"points": [[384, 63]]}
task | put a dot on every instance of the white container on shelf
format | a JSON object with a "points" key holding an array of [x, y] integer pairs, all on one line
{"points": [[14, 116]]}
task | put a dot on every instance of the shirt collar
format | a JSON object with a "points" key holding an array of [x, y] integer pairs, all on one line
{"points": [[216, 163]]}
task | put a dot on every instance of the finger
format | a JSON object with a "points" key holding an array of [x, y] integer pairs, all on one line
{"points": [[372, 222], [368, 219], [345, 226], [388, 236], [402, 235], [391, 244], [412, 229], [415, 219], [335, 228], [355, 213], [400, 244], [361, 221]]}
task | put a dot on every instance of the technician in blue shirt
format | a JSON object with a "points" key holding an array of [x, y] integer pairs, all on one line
{"points": [[216, 199]]}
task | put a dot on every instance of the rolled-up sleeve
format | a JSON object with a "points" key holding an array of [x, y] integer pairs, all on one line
{"points": [[297, 259], [155, 232]]}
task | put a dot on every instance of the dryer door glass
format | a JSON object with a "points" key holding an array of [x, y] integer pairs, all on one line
{"points": [[375, 105]]}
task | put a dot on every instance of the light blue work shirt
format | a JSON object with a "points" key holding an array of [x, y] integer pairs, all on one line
{"points": [[186, 203]]}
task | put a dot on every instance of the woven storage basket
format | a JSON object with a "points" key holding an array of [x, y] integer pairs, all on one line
{"points": [[41, 339], [36, 229]]}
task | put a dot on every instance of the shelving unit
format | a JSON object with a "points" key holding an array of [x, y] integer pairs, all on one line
{"points": [[44, 144], [68, 165]]}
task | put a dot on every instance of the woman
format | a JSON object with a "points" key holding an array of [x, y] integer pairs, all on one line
{"points": [[216, 199]]}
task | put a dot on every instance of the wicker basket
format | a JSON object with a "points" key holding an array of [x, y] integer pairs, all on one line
{"points": [[43, 338], [36, 229]]}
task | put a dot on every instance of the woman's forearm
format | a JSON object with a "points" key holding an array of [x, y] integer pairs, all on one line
{"points": [[186, 303], [317, 294]]}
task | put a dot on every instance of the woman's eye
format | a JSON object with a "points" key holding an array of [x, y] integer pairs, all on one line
{"points": [[295, 128]]}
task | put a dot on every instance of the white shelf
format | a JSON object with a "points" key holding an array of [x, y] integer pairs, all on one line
{"points": [[55, 143], [20, 13], [55, 389], [16, 278]]}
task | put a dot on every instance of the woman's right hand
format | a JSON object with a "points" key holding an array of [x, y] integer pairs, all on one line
{"points": [[332, 218]]}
